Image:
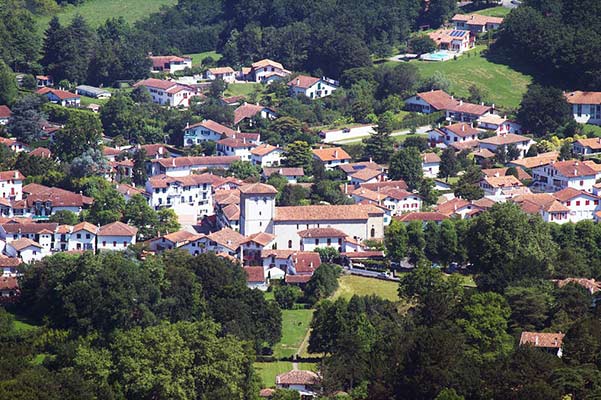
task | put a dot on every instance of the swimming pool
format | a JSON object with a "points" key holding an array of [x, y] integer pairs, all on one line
{"points": [[440, 55]]}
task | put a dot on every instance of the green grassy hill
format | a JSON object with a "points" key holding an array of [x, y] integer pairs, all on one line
{"points": [[97, 11], [503, 85]]}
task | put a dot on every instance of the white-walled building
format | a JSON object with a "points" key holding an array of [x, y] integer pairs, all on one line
{"points": [[582, 205], [500, 188], [83, 237], [455, 133], [167, 93], [25, 249], [236, 147], [266, 155], [5, 114], [311, 87], [257, 208], [498, 124], [184, 166], [252, 113], [314, 238], [265, 71], [62, 97], [454, 109], [170, 64], [430, 164], [226, 74], [116, 236], [476, 23], [11, 185], [331, 157], [522, 143], [292, 174], [586, 106], [587, 146], [206, 131], [563, 174], [304, 382], [454, 40]]}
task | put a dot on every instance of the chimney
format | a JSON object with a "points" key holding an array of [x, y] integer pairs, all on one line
{"points": [[335, 153], [187, 125], [281, 171], [297, 82], [371, 160], [173, 162], [452, 97], [16, 174], [496, 175], [463, 128], [460, 102], [536, 340]]}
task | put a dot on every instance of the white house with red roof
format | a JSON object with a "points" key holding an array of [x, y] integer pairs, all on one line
{"points": [[62, 97], [206, 131], [559, 175], [460, 132], [170, 64], [454, 109], [501, 187], [331, 157], [266, 155], [226, 74], [116, 236], [587, 146], [265, 71], [430, 164], [314, 238], [11, 185], [582, 205], [83, 237], [306, 383], [26, 250], [498, 124], [168, 93], [236, 147], [476, 23], [252, 112], [504, 140], [586, 106], [5, 114], [311, 87], [454, 40]]}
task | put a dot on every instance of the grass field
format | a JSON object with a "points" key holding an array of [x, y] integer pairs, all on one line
{"points": [[97, 11], [198, 57], [592, 129], [494, 11], [269, 370], [241, 89], [357, 285], [295, 325], [504, 86]]}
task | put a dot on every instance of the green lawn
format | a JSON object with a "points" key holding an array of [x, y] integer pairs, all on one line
{"points": [[357, 285], [241, 89], [86, 101], [269, 370], [504, 86], [592, 129], [295, 325], [98, 11], [494, 11], [198, 57], [21, 325], [402, 138]]}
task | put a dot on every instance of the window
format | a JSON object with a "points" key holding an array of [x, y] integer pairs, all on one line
{"points": [[114, 244], [340, 241], [316, 242], [329, 241], [87, 236], [568, 203], [104, 243], [79, 235], [290, 244], [587, 203], [124, 243], [373, 232], [577, 202], [581, 183]]}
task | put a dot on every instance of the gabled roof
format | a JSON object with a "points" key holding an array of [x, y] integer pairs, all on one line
{"points": [[214, 126], [117, 228], [451, 206], [399, 184], [366, 174], [56, 196], [5, 112], [569, 193], [85, 226], [298, 377], [580, 97], [303, 81], [522, 175], [181, 236], [228, 238], [537, 161], [573, 168], [23, 243], [156, 83], [430, 158], [41, 152], [61, 94], [422, 216], [232, 212], [261, 238], [540, 339], [11, 175], [29, 227], [441, 100], [536, 202], [179, 162], [284, 171], [476, 19], [162, 181], [254, 274], [236, 143], [592, 143], [221, 70], [248, 110], [502, 181], [505, 139], [305, 262], [225, 197], [258, 188], [331, 154], [461, 129], [266, 63], [9, 283], [9, 261], [326, 213], [160, 61]]}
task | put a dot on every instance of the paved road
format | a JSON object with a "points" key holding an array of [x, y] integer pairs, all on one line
{"points": [[371, 274], [421, 129]]}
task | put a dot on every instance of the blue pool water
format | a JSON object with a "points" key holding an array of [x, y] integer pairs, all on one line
{"points": [[440, 55]]}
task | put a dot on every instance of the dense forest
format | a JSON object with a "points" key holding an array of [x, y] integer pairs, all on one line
{"points": [[558, 40]]}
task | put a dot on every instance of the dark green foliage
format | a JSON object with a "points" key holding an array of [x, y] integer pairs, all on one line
{"points": [[27, 118], [406, 164], [420, 142], [64, 217], [449, 166], [422, 44], [82, 131], [8, 84], [467, 187], [286, 295], [323, 283], [543, 110]]}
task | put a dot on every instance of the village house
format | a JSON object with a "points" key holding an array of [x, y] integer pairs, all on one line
{"points": [[238, 147], [62, 97], [44, 80], [183, 166], [314, 238], [454, 40], [116, 236], [172, 241], [9, 266], [266, 155], [501, 187], [304, 382], [439, 100], [41, 152], [167, 93], [562, 174], [26, 250], [14, 145], [582, 205], [539, 160], [313, 88], [11, 185], [255, 278], [498, 124], [544, 204], [551, 342], [252, 112], [83, 237], [459, 132], [430, 164], [290, 173], [266, 71], [331, 157], [463, 208], [587, 147], [5, 114], [504, 140], [226, 74], [94, 92], [586, 106], [41, 233], [254, 246], [476, 23], [366, 175], [398, 201], [170, 64], [206, 131]]}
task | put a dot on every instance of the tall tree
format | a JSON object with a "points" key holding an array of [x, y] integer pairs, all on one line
{"points": [[543, 110], [82, 131], [8, 84], [406, 164], [449, 166], [379, 145], [395, 240], [27, 118]]}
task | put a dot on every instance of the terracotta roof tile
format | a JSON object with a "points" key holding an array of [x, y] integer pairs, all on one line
{"points": [[254, 274], [264, 149], [9, 283], [441, 100], [326, 213], [399, 184], [284, 171], [200, 161], [477, 19], [573, 168], [61, 94], [422, 216], [41, 152], [430, 158], [461, 129], [505, 139], [11, 175], [232, 212], [321, 233], [247, 110], [537, 161], [331, 154], [5, 112], [303, 81], [23, 243], [117, 229], [580, 97], [298, 377], [215, 127], [85, 226], [258, 188], [262, 238], [228, 238], [540, 339]]}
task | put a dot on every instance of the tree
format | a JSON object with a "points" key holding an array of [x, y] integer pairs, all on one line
{"points": [[27, 118], [427, 192], [64, 217], [329, 192], [8, 85], [323, 283], [419, 142], [421, 44], [108, 205], [543, 110], [449, 166], [467, 187], [406, 164], [299, 154], [83, 131], [294, 195], [437, 81], [287, 295], [139, 169], [139, 214], [448, 242], [565, 151], [507, 245], [379, 145], [90, 162], [530, 306], [477, 94], [168, 221], [432, 241], [244, 170], [218, 86], [395, 240], [416, 242], [399, 79], [484, 322]]}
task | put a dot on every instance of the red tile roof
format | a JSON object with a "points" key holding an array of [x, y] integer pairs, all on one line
{"points": [[5, 112], [303, 81], [505, 139], [441, 100], [196, 161], [261, 238], [297, 377], [430, 158], [29, 227], [592, 143], [236, 143], [8, 283], [540, 339], [85, 226], [322, 233], [258, 188], [422, 216], [264, 149], [579, 97], [477, 19], [462, 129], [331, 154], [23, 243], [117, 228], [11, 175], [41, 152], [61, 94], [160, 61], [284, 171], [228, 238], [399, 184], [573, 168], [326, 213], [247, 110], [215, 127], [254, 274], [297, 278], [156, 83], [569, 193], [305, 262]]}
